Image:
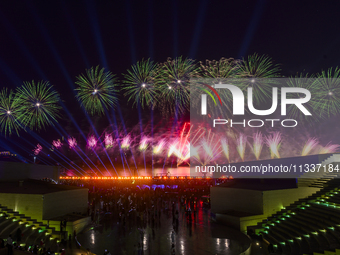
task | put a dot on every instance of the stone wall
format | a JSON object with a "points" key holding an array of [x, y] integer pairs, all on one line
{"points": [[275, 200], [65, 202], [28, 204], [243, 200], [21, 171], [261, 204], [47, 206]]}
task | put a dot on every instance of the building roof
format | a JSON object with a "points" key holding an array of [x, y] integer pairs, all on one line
{"points": [[260, 184], [30, 186]]}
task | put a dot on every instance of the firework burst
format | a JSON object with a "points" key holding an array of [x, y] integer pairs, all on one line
{"points": [[216, 107], [329, 148], [303, 81], [159, 147], [72, 142], [209, 148], [241, 145], [309, 146], [194, 151], [225, 148], [224, 68], [38, 104], [256, 66], [274, 142], [327, 96], [144, 143], [180, 150], [174, 83], [37, 149], [140, 84], [9, 113], [96, 90], [257, 144], [57, 143], [253, 69], [181, 147], [91, 142], [108, 140], [126, 142]]}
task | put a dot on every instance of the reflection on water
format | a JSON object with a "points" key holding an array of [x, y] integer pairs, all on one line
{"points": [[190, 237], [92, 238]]}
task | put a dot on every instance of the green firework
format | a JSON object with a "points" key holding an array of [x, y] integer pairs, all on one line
{"points": [[174, 76], [219, 72], [9, 112], [96, 90], [223, 68], [307, 82], [254, 68], [38, 104], [327, 97], [140, 84]]}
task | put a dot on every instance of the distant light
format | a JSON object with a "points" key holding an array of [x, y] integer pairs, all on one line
{"points": [[8, 112], [95, 91], [170, 87], [143, 85], [37, 104], [179, 81], [330, 93], [226, 242], [252, 80]]}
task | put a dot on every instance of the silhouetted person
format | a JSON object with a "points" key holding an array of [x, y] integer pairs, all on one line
{"points": [[35, 249], [18, 235], [270, 248], [173, 251], [176, 218], [2, 244], [10, 245], [140, 249], [64, 226], [172, 237]]}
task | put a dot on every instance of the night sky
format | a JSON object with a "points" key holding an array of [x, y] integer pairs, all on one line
{"points": [[58, 40]]}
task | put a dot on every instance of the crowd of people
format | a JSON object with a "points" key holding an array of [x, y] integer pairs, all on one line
{"points": [[138, 204], [141, 204], [14, 243]]}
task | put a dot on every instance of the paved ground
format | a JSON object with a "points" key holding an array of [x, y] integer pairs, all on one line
{"points": [[200, 237]]}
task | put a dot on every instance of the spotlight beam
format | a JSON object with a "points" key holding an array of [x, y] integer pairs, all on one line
{"points": [[8, 147], [130, 30], [47, 145], [255, 18], [95, 27], [198, 27]]}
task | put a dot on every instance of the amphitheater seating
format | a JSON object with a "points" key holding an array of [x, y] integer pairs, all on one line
{"points": [[32, 230], [308, 226]]}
